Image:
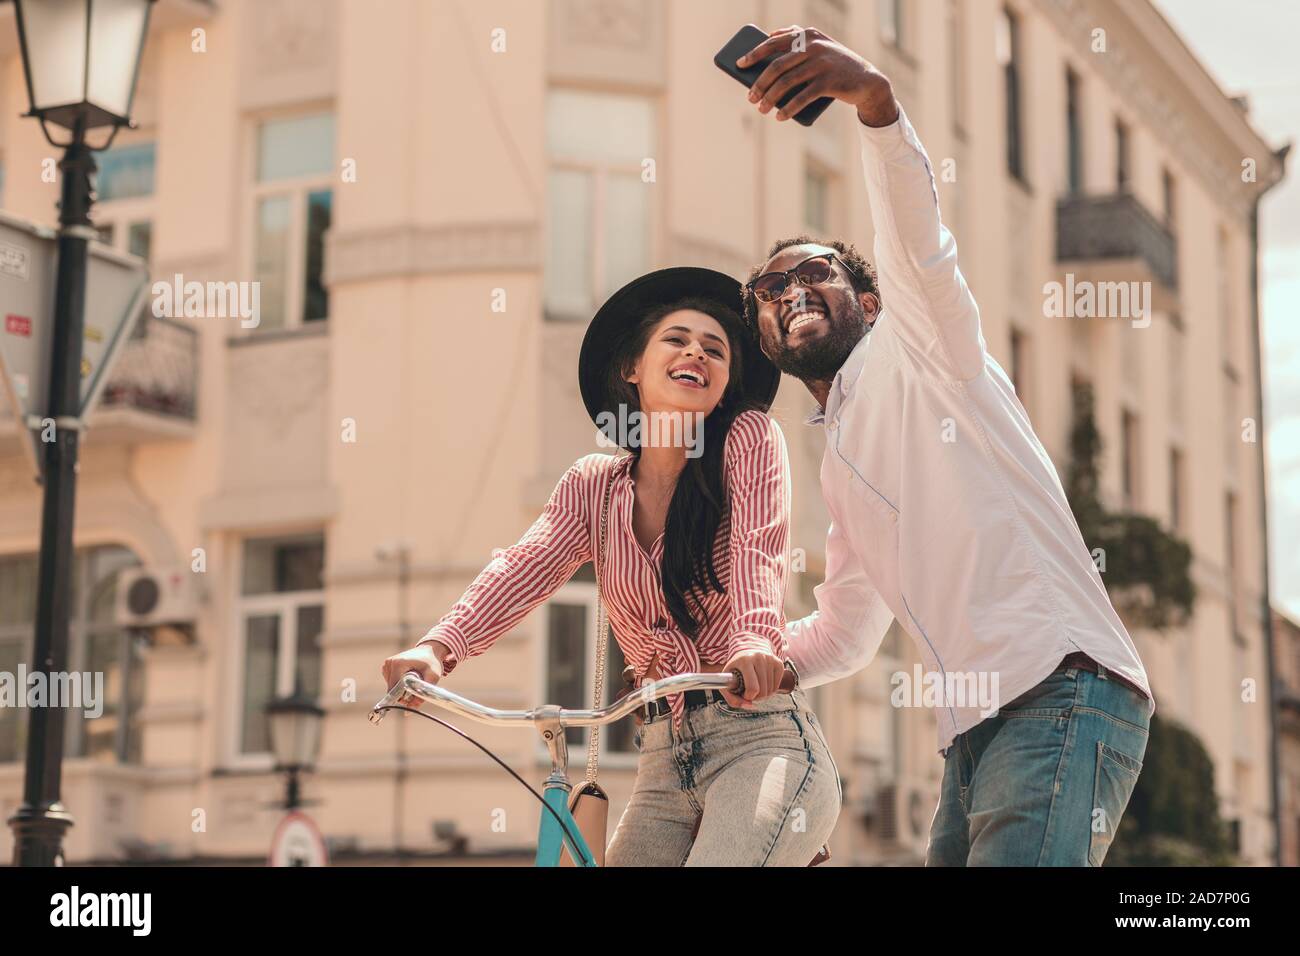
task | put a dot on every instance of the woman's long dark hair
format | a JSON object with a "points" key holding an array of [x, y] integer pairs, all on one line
{"points": [[699, 501]]}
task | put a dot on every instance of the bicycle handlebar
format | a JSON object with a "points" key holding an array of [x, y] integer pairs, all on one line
{"points": [[411, 684]]}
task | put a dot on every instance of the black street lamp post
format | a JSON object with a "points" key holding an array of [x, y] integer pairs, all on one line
{"points": [[295, 740], [81, 59]]}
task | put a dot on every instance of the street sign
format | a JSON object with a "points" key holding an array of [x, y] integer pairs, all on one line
{"points": [[297, 842], [116, 289]]}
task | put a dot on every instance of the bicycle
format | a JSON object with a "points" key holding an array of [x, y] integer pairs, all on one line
{"points": [[556, 826]]}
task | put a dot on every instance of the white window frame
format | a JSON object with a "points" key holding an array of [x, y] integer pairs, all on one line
{"points": [[297, 187], [286, 604], [891, 28], [956, 41], [600, 172], [122, 213], [1022, 362], [1131, 465], [813, 169], [24, 636], [81, 630], [583, 593]]}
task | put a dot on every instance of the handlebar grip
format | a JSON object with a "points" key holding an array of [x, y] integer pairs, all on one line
{"points": [[788, 682]]}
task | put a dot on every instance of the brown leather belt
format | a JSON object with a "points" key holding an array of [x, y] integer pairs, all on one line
{"points": [[1082, 661]]}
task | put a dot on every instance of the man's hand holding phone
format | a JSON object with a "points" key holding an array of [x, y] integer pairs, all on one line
{"points": [[806, 55]]}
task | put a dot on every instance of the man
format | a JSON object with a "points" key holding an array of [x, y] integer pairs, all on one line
{"points": [[947, 513]]}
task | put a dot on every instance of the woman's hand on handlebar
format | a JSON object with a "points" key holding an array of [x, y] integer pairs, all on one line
{"points": [[425, 660], [761, 671]]}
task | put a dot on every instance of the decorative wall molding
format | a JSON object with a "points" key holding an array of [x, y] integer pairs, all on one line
{"points": [[617, 23], [290, 52], [406, 251], [253, 508], [369, 572], [365, 635], [829, 16], [685, 249], [175, 713], [110, 508], [1131, 80], [277, 386], [609, 41], [193, 268]]}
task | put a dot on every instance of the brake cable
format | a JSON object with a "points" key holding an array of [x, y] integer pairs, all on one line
{"points": [[573, 840]]}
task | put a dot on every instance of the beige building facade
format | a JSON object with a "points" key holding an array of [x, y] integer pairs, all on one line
{"points": [[1286, 636], [432, 198]]}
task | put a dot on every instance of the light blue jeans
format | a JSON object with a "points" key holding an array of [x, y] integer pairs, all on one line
{"points": [[763, 780], [1045, 781]]}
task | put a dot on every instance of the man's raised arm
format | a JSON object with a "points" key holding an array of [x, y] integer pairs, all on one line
{"points": [[922, 290]]}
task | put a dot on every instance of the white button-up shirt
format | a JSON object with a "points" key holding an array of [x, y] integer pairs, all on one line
{"points": [[946, 511]]}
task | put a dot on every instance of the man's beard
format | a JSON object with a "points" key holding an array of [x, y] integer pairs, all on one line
{"points": [[819, 361]]}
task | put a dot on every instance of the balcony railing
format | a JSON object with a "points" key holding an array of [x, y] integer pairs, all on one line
{"points": [[1115, 227], [156, 371], [152, 390]]}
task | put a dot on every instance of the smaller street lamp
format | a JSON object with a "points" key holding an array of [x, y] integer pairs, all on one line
{"points": [[295, 739]]}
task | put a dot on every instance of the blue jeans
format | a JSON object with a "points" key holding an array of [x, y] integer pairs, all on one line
{"points": [[761, 782], [1045, 781]]}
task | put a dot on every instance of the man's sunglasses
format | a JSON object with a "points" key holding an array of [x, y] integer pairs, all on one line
{"points": [[770, 286]]}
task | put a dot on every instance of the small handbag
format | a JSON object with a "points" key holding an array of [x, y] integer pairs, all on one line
{"points": [[589, 803]]}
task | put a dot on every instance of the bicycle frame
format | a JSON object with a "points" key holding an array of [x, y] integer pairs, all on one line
{"points": [[557, 829], [554, 830]]}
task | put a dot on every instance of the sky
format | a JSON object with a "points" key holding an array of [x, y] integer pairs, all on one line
{"points": [[1249, 47]]}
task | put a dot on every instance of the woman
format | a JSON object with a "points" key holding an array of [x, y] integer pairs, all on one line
{"points": [[693, 578]]}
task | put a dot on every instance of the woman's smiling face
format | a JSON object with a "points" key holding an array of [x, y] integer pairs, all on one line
{"points": [[685, 366]]}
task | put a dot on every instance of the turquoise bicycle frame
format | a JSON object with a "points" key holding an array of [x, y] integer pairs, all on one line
{"points": [[551, 836]]}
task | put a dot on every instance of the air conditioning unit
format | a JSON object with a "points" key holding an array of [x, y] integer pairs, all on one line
{"points": [[152, 597]]}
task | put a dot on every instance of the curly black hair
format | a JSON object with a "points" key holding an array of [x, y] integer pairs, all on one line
{"points": [[864, 274]]}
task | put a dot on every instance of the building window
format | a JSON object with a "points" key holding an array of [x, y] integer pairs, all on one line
{"points": [[126, 172], [890, 14], [124, 208], [96, 646], [292, 208], [1231, 424], [1170, 195], [281, 613], [957, 64], [1223, 286], [1073, 133], [1122, 169], [1130, 454], [1177, 369], [816, 198], [1230, 558], [1020, 364], [570, 655], [1177, 494], [1008, 57], [599, 209]]}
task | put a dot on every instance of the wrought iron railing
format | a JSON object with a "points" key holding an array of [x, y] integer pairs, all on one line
{"points": [[1116, 226]]}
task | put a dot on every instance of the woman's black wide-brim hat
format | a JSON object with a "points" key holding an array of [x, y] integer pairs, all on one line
{"points": [[619, 315]]}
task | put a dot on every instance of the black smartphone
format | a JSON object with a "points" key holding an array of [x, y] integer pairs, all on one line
{"points": [[746, 38]]}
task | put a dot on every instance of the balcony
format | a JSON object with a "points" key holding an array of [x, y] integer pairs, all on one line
{"points": [[151, 393], [1115, 238]]}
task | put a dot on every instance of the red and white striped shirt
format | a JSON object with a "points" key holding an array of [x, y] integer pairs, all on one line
{"points": [[750, 556]]}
